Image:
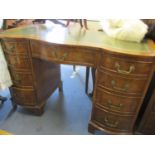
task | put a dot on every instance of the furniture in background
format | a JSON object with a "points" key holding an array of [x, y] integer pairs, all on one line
{"points": [[82, 22], [43, 21], [13, 23], [151, 28], [93, 70], [123, 71], [2, 100]]}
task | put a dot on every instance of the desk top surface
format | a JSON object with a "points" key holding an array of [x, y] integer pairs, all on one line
{"points": [[75, 36]]}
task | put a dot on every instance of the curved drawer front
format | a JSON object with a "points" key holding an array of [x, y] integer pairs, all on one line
{"points": [[16, 47], [116, 103], [22, 79], [23, 96], [125, 66], [115, 82], [18, 62], [64, 54], [112, 121]]}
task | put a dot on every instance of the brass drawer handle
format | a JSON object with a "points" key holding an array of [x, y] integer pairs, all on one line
{"points": [[17, 78], [14, 61], [19, 95], [126, 86], [110, 124], [112, 106], [11, 49], [60, 58], [14, 94], [131, 69]]}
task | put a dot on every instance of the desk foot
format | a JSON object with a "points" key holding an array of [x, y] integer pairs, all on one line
{"points": [[3, 99], [91, 128], [37, 111], [14, 105]]}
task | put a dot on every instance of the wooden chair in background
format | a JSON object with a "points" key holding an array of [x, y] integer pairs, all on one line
{"points": [[82, 22]]}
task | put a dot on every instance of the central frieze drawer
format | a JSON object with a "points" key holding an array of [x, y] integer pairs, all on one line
{"points": [[112, 121], [68, 54], [125, 66], [116, 102], [123, 84]]}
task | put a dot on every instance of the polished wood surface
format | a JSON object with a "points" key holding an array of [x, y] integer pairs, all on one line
{"points": [[75, 36], [123, 69]]}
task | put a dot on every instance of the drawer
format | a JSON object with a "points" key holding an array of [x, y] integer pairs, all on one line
{"points": [[13, 47], [63, 54], [116, 103], [112, 121], [18, 62], [125, 66], [23, 96], [22, 79], [118, 83]]}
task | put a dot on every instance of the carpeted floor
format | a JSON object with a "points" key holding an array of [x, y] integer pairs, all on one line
{"points": [[65, 114]]}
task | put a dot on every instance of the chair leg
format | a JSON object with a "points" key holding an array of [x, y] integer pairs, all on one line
{"points": [[60, 86], [87, 79], [85, 24], [68, 21], [81, 23], [74, 68], [93, 70], [3, 99]]}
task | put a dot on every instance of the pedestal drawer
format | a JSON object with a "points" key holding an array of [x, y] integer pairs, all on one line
{"points": [[116, 102], [14, 47], [111, 121], [118, 83], [125, 66], [18, 62], [23, 96], [21, 79]]}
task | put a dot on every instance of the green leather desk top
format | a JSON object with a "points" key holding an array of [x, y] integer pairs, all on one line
{"points": [[75, 36]]}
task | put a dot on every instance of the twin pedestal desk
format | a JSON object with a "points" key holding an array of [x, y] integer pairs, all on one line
{"points": [[124, 71]]}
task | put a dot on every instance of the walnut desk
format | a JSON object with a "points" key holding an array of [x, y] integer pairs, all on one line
{"points": [[123, 70]]}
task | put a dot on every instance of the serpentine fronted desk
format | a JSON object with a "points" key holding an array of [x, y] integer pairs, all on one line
{"points": [[124, 70]]}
